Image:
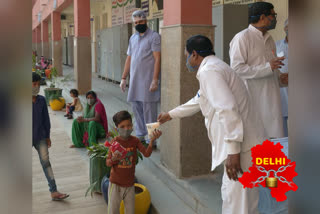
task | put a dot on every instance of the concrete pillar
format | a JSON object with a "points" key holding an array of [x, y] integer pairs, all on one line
{"points": [[45, 39], [34, 39], [56, 41], [185, 148], [94, 45], [82, 45], [38, 43]]}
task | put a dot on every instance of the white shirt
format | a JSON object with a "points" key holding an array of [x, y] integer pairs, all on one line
{"points": [[224, 102], [250, 53], [282, 45]]}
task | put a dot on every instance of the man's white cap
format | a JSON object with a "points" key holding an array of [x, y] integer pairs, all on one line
{"points": [[139, 15]]}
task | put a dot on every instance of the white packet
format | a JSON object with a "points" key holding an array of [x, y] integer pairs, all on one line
{"points": [[280, 54], [151, 127]]}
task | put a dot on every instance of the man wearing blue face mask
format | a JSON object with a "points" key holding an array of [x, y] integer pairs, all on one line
{"points": [[233, 127], [253, 58], [143, 64]]}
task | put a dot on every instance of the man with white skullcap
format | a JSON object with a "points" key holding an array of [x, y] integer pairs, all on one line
{"points": [[143, 64], [282, 47]]}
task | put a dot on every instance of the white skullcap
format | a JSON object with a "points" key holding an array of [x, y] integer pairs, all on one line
{"points": [[139, 15]]}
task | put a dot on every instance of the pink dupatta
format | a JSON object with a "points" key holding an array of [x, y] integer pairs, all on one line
{"points": [[102, 112]]}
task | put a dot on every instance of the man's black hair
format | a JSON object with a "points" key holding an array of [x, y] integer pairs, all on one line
{"points": [[121, 116], [257, 9], [74, 92], [201, 44], [35, 77], [92, 93]]}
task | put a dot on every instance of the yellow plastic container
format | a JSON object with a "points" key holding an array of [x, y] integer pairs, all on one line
{"points": [[57, 104], [142, 200]]}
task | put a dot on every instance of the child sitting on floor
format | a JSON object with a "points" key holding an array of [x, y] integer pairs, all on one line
{"points": [[121, 186], [75, 105]]}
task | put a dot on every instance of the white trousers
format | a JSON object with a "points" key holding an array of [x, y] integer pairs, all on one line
{"points": [[236, 199], [116, 194]]}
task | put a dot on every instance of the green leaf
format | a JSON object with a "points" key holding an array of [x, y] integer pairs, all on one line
{"points": [[90, 188]]}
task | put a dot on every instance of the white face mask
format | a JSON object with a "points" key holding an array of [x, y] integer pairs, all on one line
{"points": [[90, 101], [125, 133], [35, 90]]}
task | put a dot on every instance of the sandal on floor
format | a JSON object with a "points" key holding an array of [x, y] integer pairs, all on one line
{"points": [[60, 198]]}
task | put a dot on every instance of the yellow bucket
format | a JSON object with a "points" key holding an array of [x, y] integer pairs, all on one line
{"points": [[57, 104]]}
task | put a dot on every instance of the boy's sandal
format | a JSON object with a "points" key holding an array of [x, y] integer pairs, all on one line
{"points": [[61, 197]]}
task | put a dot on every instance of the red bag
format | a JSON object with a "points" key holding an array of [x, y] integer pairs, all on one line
{"points": [[116, 149]]}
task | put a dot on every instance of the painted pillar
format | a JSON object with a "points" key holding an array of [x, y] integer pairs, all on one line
{"points": [[34, 39], [45, 39], [185, 148], [38, 42], [56, 41], [82, 45]]}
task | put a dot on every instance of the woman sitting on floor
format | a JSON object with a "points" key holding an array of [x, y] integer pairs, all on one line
{"points": [[93, 125]]}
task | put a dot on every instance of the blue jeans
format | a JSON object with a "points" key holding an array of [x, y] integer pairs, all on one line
{"points": [[42, 149], [71, 109]]}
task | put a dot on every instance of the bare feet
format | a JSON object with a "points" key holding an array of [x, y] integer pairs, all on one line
{"points": [[57, 196]]}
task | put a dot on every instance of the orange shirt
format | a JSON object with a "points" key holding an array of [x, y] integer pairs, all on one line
{"points": [[122, 172]]}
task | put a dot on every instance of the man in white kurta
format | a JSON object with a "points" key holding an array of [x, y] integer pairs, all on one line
{"points": [[253, 58], [233, 127]]}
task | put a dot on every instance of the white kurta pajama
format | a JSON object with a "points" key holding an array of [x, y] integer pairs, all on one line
{"points": [[250, 53], [232, 127]]}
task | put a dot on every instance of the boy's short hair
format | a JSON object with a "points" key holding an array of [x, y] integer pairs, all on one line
{"points": [[74, 92], [121, 116], [35, 77]]}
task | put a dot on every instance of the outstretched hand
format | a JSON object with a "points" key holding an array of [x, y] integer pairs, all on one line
{"points": [[164, 117], [156, 134]]}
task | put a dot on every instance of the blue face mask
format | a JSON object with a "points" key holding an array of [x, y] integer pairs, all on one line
{"points": [[190, 67], [272, 24]]}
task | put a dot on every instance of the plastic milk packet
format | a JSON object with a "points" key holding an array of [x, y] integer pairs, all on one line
{"points": [[280, 54], [151, 127]]}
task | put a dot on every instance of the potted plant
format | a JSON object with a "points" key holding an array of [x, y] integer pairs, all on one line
{"points": [[53, 93], [97, 166], [56, 102]]}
